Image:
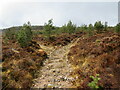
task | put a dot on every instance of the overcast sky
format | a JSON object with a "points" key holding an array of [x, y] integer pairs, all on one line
{"points": [[17, 13]]}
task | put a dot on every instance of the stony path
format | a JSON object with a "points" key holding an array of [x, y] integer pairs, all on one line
{"points": [[55, 71]]}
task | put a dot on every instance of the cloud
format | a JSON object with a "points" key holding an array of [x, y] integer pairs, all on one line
{"points": [[60, 1], [17, 13]]}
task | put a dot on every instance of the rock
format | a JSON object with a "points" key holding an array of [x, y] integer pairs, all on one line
{"points": [[58, 72], [53, 80], [50, 86], [58, 80], [65, 78], [41, 53], [62, 79], [45, 86], [54, 71]]}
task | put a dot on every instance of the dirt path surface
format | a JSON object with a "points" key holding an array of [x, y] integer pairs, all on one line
{"points": [[55, 71]]}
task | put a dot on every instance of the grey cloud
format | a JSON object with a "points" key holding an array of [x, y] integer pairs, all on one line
{"points": [[38, 13]]}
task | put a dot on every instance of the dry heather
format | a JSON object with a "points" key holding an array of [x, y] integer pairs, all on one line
{"points": [[57, 40], [98, 54], [19, 65]]}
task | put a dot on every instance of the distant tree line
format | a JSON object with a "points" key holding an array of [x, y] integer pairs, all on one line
{"points": [[71, 28], [24, 34]]}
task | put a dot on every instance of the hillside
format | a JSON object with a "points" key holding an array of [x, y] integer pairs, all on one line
{"points": [[99, 54], [19, 27], [20, 65], [64, 57]]}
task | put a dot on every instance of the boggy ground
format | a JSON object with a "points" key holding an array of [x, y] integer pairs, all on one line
{"points": [[56, 70]]}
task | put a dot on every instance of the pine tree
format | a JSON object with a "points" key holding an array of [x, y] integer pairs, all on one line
{"points": [[48, 28], [71, 27], [117, 28], [24, 35], [90, 30], [105, 26], [98, 26]]}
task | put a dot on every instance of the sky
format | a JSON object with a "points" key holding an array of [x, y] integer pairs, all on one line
{"points": [[38, 12]]}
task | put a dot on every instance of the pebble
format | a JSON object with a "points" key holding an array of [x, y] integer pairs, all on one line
{"points": [[53, 70], [58, 71], [50, 86], [65, 78]]}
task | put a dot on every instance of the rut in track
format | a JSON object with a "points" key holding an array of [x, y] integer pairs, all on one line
{"points": [[56, 69]]}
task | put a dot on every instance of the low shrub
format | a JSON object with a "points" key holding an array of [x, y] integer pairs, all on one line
{"points": [[94, 83], [10, 34]]}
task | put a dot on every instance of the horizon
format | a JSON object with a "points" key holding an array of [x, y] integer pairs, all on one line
{"points": [[39, 13], [55, 26]]}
